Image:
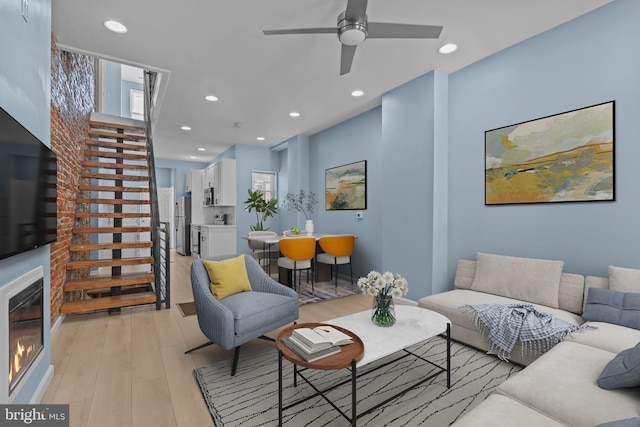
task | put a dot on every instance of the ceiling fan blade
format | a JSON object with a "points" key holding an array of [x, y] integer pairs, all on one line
{"points": [[356, 10], [385, 30], [332, 30], [346, 58]]}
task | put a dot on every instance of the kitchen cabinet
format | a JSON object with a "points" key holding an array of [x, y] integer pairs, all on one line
{"points": [[216, 240], [192, 180], [224, 182], [208, 180]]}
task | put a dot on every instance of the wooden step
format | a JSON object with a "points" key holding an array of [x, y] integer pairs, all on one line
{"points": [[96, 263], [112, 215], [110, 230], [114, 176], [121, 145], [99, 282], [111, 165], [109, 246], [113, 188], [114, 155], [111, 201], [101, 133], [104, 303], [99, 124]]}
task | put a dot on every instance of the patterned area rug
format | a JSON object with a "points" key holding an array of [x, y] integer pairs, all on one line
{"points": [[251, 397], [324, 291]]}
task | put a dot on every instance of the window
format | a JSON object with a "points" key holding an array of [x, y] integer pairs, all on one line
{"points": [[265, 182]]}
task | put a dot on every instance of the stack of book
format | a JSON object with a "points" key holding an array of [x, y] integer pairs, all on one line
{"points": [[313, 344]]}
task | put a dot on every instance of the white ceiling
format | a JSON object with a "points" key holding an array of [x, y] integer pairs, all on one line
{"points": [[217, 47]]}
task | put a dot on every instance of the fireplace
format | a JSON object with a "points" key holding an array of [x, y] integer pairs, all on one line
{"points": [[22, 332]]}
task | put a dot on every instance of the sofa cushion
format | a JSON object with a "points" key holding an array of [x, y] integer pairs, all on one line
{"points": [[624, 279], [499, 410], [609, 337], [619, 308], [594, 282], [622, 371], [562, 385], [227, 277], [629, 422], [252, 311], [465, 272], [525, 279]]}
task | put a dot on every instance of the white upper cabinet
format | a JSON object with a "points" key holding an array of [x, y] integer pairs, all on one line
{"points": [[208, 180], [224, 182]]}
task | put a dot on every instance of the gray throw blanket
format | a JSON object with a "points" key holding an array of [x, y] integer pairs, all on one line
{"points": [[504, 324]]}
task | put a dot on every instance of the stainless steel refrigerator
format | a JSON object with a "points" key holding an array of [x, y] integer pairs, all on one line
{"points": [[183, 225]]}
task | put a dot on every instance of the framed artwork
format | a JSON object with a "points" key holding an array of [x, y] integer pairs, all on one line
{"points": [[567, 157], [346, 187]]}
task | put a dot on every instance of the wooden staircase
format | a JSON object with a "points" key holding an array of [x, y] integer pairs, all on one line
{"points": [[111, 250]]}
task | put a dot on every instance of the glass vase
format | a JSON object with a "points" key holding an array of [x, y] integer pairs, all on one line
{"points": [[383, 312]]}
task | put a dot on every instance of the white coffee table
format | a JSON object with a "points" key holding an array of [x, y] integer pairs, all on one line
{"points": [[413, 325]]}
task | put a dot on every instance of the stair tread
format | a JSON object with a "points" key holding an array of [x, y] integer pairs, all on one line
{"points": [[109, 246], [121, 145], [113, 188], [113, 154], [112, 201], [114, 176], [97, 123], [112, 215], [96, 282], [109, 134], [72, 265], [97, 230], [112, 165], [103, 303]]}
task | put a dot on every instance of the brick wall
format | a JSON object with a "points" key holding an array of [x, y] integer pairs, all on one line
{"points": [[72, 89]]}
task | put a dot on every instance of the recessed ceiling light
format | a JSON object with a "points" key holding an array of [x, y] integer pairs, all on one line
{"points": [[357, 93], [200, 149], [448, 48], [186, 128], [260, 138], [294, 114], [192, 157], [211, 98], [115, 26]]}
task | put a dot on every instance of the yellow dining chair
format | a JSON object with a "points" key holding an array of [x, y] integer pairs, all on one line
{"points": [[337, 251], [298, 255]]}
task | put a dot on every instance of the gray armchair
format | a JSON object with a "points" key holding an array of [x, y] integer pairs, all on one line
{"points": [[241, 317]]}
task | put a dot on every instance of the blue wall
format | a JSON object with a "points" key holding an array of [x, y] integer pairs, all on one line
{"points": [[589, 60], [25, 93]]}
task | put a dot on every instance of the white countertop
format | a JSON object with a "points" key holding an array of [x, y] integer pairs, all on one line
{"points": [[214, 225]]}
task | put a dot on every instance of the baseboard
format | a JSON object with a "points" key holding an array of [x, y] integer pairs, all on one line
{"points": [[57, 324], [43, 386]]}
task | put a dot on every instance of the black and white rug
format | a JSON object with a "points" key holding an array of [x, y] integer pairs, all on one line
{"points": [[251, 397]]}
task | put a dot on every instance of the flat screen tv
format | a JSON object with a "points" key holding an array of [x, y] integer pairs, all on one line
{"points": [[27, 189]]}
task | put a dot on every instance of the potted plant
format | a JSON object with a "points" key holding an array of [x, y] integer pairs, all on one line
{"points": [[257, 202], [302, 202]]}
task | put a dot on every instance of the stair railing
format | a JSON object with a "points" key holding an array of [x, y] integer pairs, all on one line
{"points": [[160, 268]]}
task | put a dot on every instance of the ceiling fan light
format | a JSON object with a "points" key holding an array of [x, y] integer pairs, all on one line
{"points": [[352, 35]]}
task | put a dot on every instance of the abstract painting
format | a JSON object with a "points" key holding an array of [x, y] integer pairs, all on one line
{"points": [[346, 187], [567, 157]]}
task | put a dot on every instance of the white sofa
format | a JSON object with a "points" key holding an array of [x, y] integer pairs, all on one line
{"points": [[558, 388]]}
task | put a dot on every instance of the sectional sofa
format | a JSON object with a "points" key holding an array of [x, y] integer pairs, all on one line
{"points": [[559, 387]]}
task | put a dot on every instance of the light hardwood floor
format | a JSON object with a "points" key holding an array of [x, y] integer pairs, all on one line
{"points": [[129, 369]]}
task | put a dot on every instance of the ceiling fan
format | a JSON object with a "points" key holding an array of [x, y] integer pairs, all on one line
{"points": [[353, 28]]}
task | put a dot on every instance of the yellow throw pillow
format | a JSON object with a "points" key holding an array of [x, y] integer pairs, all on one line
{"points": [[227, 277]]}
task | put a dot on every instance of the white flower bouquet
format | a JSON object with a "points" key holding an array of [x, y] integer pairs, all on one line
{"points": [[383, 288]]}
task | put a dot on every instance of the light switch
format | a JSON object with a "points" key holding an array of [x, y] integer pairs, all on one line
{"points": [[359, 215]]}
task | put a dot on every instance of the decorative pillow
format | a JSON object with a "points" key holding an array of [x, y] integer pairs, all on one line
{"points": [[624, 279], [571, 292], [629, 422], [622, 371], [525, 279], [227, 277], [619, 308]]}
